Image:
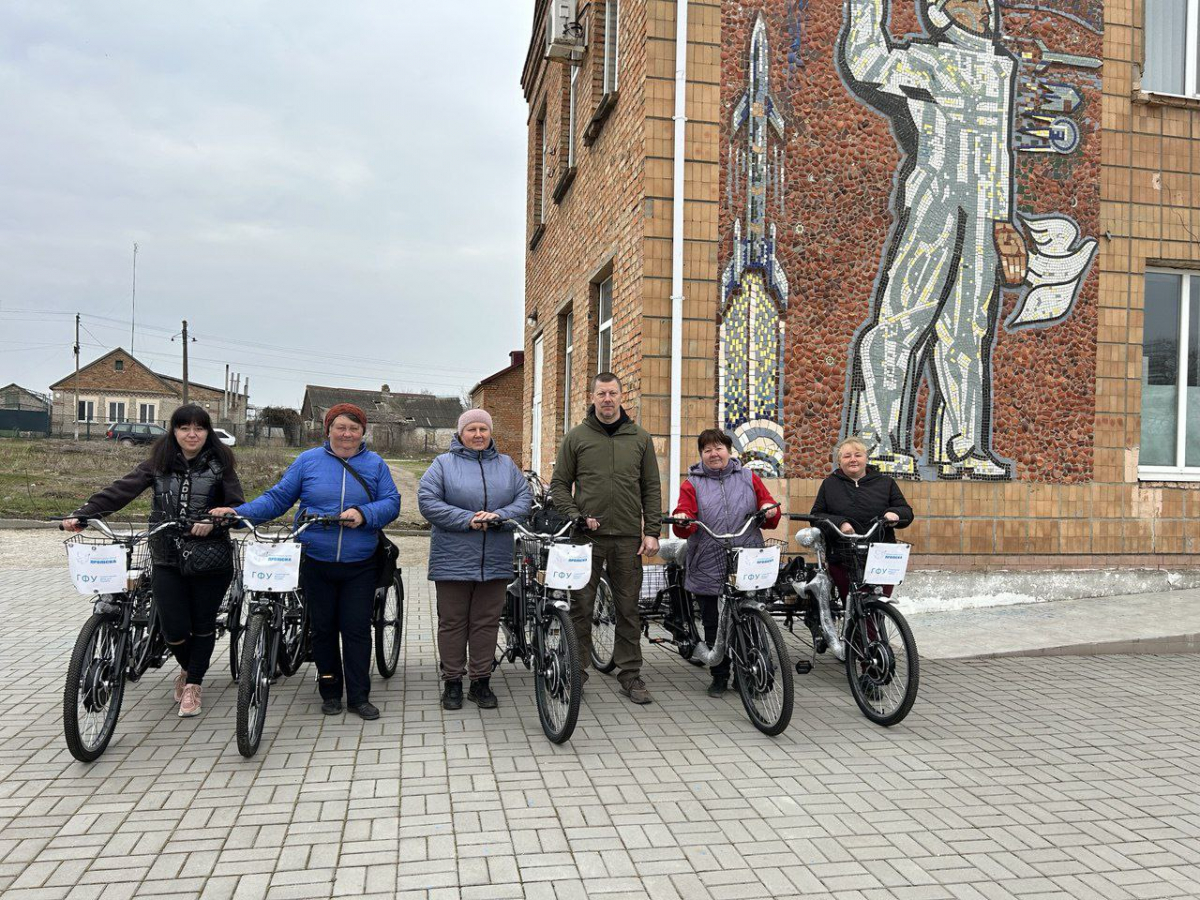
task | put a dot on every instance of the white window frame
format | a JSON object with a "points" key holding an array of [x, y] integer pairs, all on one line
{"points": [[568, 365], [543, 168], [116, 411], [535, 444], [612, 45], [1191, 52], [1189, 290], [147, 412], [605, 327], [571, 106], [90, 406]]}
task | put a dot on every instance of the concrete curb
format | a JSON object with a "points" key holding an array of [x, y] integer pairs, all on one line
{"points": [[1184, 643]]}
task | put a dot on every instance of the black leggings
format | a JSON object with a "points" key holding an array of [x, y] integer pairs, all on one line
{"points": [[341, 599], [187, 614]]}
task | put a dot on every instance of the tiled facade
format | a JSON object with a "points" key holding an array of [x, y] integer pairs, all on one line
{"points": [[806, 233]]}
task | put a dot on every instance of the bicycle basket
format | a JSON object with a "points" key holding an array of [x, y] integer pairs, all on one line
{"points": [[654, 579], [100, 565]]}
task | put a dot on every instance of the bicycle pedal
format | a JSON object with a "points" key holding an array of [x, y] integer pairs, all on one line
{"points": [[803, 667]]}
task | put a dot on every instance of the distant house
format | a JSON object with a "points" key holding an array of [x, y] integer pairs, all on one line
{"points": [[119, 388], [410, 423], [501, 395], [15, 397]]}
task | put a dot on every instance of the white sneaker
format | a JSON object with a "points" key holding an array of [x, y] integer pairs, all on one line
{"points": [[190, 704]]}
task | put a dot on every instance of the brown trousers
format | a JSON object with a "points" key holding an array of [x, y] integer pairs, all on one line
{"points": [[620, 556], [468, 613]]}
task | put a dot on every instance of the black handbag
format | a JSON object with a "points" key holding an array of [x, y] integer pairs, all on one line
{"points": [[386, 553], [201, 557]]}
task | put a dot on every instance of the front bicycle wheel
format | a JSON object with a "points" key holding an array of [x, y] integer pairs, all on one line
{"points": [[293, 643], [254, 685], [604, 627], [764, 672], [557, 679], [389, 625], [94, 689], [882, 663]]}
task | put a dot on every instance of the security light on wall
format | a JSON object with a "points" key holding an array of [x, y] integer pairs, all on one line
{"points": [[532, 319]]}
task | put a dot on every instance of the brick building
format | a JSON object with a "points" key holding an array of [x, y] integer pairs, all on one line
{"points": [[969, 236], [501, 395], [118, 388]]}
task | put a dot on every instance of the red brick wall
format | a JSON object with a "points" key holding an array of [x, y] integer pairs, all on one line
{"points": [[502, 398]]}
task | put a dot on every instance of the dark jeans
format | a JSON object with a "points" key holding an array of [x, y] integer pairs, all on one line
{"points": [[625, 576], [340, 598], [468, 613], [187, 612], [708, 615]]}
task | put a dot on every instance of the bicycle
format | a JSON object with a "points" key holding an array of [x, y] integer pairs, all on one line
{"points": [[275, 642], [745, 629], [536, 622], [863, 629], [119, 642]]}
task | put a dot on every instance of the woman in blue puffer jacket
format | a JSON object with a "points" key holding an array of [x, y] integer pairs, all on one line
{"points": [[463, 490], [341, 478]]}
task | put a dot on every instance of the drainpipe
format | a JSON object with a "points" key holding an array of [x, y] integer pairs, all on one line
{"points": [[680, 119]]}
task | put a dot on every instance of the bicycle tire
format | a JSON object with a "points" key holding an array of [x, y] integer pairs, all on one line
{"points": [[883, 685], [143, 633], [558, 683], [82, 675], [389, 627], [254, 685], [235, 624], [294, 639], [766, 670], [604, 626]]}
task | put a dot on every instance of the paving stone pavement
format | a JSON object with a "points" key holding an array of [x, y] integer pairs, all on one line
{"points": [[1031, 778]]}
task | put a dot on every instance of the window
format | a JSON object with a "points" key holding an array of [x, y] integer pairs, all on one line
{"points": [[116, 412], [146, 412], [1170, 446], [543, 166], [568, 363], [1172, 47], [572, 103], [535, 449], [119, 365], [604, 344], [141, 430], [86, 411], [612, 57]]}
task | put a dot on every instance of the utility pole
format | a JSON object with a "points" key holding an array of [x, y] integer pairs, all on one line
{"points": [[185, 371], [77, 376], [133, 309]]}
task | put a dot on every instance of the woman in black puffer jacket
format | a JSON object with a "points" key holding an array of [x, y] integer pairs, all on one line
{"points": [[191, 472], [852, 498]]}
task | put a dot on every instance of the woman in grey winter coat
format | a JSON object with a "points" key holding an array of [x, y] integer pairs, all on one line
{"points": [[470, 564]]}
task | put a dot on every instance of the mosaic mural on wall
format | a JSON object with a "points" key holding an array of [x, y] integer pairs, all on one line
{"points": [[754, 287], [942, 181]]}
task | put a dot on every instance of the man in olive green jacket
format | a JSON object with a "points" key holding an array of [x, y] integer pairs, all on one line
{"points": [[606, 470]]}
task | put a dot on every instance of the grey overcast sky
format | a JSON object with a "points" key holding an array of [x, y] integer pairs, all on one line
{"points": [[329, 193]]}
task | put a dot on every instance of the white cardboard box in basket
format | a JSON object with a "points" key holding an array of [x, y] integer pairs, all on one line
{"points": [[97, 568], [569, 566], [270, 567]]}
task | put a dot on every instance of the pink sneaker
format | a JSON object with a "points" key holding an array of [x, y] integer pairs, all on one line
{"points": [[180, 681], [189, 705]]}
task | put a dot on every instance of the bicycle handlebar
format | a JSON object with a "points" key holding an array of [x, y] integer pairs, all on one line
{"points": [[305, 521], [580, 523], [876, 524], [759, 515], [133, 537]]}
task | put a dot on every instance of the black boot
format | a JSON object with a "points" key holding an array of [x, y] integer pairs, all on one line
{"points": [[452, 695], [720, 684], [481, 694]]}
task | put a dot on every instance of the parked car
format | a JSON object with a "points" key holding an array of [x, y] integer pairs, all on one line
{"points": [[224, 437], [134, 433]]}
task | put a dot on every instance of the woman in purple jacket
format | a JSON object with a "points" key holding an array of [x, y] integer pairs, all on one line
{"points": [[470, 564]]}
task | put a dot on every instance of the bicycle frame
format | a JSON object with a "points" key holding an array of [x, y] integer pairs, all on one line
{"points": [[520, 614]]}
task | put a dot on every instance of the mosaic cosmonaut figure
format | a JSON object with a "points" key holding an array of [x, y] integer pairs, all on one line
{"points": [[955, 239]]}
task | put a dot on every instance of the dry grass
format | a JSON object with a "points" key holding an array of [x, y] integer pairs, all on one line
{"points": [[42, 478]]}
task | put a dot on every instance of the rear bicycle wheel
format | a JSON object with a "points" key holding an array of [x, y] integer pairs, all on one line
{"points": [[293, 643], [235, 623], [882, 664], [144, 634], [389, 626], [557, 679], [604, 627], [94, 688], [254, 684], [764, 672]]}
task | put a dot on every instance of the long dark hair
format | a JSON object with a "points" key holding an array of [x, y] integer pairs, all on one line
{"points": [[165, 450]]}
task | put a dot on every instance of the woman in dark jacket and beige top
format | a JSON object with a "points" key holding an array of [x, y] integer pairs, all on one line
{"points": [[852, 498], [191, 473]]}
